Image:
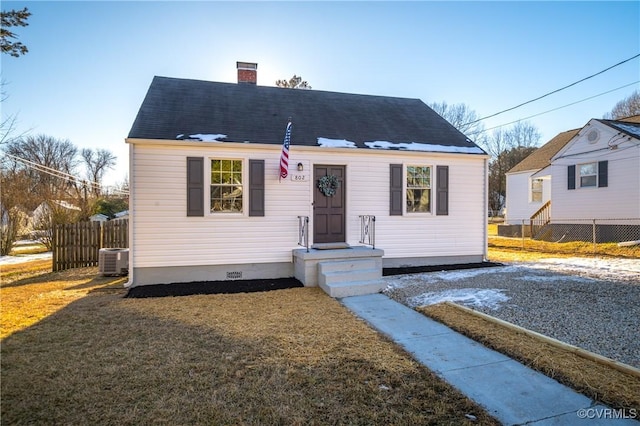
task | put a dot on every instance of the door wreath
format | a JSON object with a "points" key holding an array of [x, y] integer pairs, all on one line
{"points": [[328, 185]]}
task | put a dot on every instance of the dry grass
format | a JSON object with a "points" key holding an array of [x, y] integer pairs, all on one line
{"points": [[576, 248], [597, 381], [295, 356]]}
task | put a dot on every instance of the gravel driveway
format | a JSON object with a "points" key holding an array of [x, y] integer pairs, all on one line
{"points": [[590, 303]]}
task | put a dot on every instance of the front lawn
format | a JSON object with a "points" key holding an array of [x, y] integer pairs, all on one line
{"points": [[74, 351]]}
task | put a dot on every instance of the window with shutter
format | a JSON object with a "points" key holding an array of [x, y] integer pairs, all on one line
{"points": [[571, 177], [442, 190], [226, 186], [395, 189], [603, 172], [195, 186], [256, 187]]}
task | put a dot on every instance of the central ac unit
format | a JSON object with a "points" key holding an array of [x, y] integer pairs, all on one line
{"points": [[113, 261]]}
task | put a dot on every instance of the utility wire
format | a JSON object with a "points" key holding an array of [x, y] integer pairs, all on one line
{"points": [[552, 92], [555, 109], [60, 174]]}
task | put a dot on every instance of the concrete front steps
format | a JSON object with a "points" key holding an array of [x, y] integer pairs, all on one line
{"points": [[353, 277]]}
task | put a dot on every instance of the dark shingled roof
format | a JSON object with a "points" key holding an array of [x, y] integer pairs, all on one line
{"points": [[259, 114]]}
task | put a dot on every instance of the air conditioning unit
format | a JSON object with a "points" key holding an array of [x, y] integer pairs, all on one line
{"points": [[113, 261]]}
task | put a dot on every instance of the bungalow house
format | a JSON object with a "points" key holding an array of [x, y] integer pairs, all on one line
{"points": [[377, 178], [581, 175]]}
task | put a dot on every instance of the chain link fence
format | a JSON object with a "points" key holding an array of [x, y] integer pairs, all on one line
{"points": [[600, 233]]}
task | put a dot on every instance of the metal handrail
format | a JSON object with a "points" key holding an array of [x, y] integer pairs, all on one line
{"points": [[303, 232], [368, 230]]}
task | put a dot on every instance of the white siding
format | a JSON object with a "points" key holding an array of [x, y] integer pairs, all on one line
{"points": [[164, 236], [620, 199], [518, 200]]}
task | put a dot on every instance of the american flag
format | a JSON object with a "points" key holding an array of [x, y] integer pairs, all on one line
{"points": [[284, 157]]}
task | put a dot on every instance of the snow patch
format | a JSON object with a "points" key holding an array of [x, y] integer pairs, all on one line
{"points": [[634, 130], [474, 297], [335, 143], [206, 137], [415, 146], [13, 260]]}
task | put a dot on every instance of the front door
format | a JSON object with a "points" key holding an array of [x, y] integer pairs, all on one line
{"points": [[329, 210]]}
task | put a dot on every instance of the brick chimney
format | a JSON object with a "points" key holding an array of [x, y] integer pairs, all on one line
{"points": [[247, 72]]}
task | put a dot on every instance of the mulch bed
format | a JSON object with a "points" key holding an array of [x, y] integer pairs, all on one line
{"points": [[249, 286], [213, 287], [437, 268]]}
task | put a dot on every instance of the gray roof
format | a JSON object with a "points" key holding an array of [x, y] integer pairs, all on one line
{"points": [[177, 108]]}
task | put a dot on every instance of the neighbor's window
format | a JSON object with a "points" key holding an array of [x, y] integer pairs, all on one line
{"points": [[226, 186], [536, 190], [418, 189], [588, 174]]}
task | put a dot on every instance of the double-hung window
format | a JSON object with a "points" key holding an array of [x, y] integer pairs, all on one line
{"points": [[588, 174], [226, 186], [536, 190], [418, 192]]}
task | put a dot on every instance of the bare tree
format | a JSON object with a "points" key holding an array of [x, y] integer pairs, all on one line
{"points": [[294, 82], [625, 108], [507, 148], [463, 118], [97, 163], [48, 162], [13, 202]]}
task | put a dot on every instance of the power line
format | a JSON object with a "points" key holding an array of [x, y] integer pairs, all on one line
{"points": [[60, 174], [554, 91], [555, 109]]}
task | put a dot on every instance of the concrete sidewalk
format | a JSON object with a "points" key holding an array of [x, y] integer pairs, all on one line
{"points": [[508, 390]]}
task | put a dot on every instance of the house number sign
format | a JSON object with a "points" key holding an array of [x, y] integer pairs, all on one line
{"points": [[299, 177]]}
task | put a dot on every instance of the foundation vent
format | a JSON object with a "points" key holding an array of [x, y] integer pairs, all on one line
{"points": [[234, 275]]}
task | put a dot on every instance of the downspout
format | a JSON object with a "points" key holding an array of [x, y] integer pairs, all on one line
{"points": [[131, 217], [486, 209]]}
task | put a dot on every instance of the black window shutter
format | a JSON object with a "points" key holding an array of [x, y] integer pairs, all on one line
{"points": [[571, 177], [195, 186], [603, 174], [256, 187], [395, 190], [442, 190]]}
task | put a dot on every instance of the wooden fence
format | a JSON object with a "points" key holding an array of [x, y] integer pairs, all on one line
{"points": [[76, 245]]}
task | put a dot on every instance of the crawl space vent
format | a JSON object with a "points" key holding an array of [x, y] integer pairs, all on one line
{"points": [[234, 275]]}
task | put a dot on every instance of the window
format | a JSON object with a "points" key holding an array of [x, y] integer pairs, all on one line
{"points": [[536, 190], [418, 189], [588, 174], [226, 186]]}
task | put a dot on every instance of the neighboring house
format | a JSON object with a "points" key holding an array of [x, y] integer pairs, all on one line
{"points": [[42, 214], [99, 217], [123, 215], [207, 201], [582, 174]]}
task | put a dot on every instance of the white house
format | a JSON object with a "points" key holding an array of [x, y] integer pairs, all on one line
{"points": [[207, 200], [581, 175]]}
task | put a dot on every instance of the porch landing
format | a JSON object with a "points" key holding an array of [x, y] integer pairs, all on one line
{"points": [[341, 272]]}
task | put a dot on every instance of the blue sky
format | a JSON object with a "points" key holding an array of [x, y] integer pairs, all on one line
{"points": [[90, 63]]}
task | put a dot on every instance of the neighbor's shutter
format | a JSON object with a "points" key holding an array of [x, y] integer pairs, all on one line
{"points": [[195, 186], [395, 190], [256, 187], [603, 171], [442, 190], [571, 177]]}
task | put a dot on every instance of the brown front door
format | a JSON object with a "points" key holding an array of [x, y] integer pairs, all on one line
{"points": [[329, 211]]}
